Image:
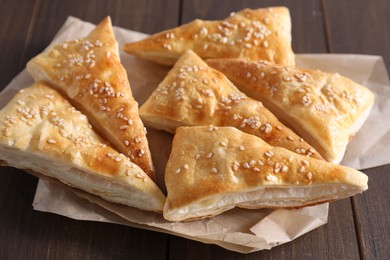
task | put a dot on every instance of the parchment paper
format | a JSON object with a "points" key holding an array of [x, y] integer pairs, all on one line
{"points": [[239, 229]]}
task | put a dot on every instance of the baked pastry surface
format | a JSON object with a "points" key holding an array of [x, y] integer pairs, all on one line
{"points": [[249, 34], [42, 132], [195, 94], [326, 109], [214, 169], [88, 71]]}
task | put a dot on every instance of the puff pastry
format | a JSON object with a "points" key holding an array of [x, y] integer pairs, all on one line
{"points": [[89, 72], [249, 34], [42, 132], [194, 94], [326, 109], [214, 169]]}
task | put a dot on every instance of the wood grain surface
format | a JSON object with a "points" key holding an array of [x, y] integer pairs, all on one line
{"points": [[356, 228]]}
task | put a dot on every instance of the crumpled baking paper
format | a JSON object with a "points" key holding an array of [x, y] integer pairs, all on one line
{"points": [[238, 230]]}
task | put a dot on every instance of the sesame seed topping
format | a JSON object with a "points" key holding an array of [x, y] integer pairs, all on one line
{"points": [[246, 165], [178, 170], [212, 128], [51, 141], [123, 127], [141, 153], [197, 156], [223, 144], [209, 155], [109, 155], [309, 175], [304, 162], [126, 142], [256, 169], [302, 169], [241, 147], [290, 138], [118, 159], [279, 127], [185, 166], [269, 154], [284, 168], [214, 170]]}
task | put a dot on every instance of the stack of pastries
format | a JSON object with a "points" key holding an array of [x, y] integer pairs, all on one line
{"points": [[251, 129]]}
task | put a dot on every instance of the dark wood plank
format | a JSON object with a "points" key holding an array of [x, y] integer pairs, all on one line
{"points": [[28, 234], [336, 240], [15, 20], [363, 29]]}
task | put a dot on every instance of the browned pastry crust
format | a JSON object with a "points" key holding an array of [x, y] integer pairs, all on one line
{"points": [[40, 131], [249, 34], [194, 94], [326, 109], [90, 73], [214, 169]]}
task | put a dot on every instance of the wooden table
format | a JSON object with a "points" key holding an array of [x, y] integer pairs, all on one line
{"points": [[357, 227]]}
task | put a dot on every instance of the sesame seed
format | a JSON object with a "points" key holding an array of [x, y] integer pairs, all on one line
{"points": [[252, 162], [265, 44], [118, 159], [214, 170], [109, 155], [304, 162], [246, 165], [269, 154], [123, 127], [223, 144], [268, 177], [302, 169], [178, 170], [141, 153], [197, 156], [279, 127], [185, 166], [284, 168], [235, 167], [51, 141], [212, 128], [309, 175], [126, 142], [241, 148], [209, 155], [290, 138], [256, 169]]}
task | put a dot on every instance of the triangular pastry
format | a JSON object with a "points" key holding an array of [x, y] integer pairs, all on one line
{"points": [[249, 34], [194, 94], [89, 72], [326, 109], [214, 169], [42, 132]]}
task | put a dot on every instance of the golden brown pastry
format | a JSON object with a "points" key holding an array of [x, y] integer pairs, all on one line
{"points": [[194, 94], [88, 71], [326, 109], [214, 169], [249, 34], [42, 132]]}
